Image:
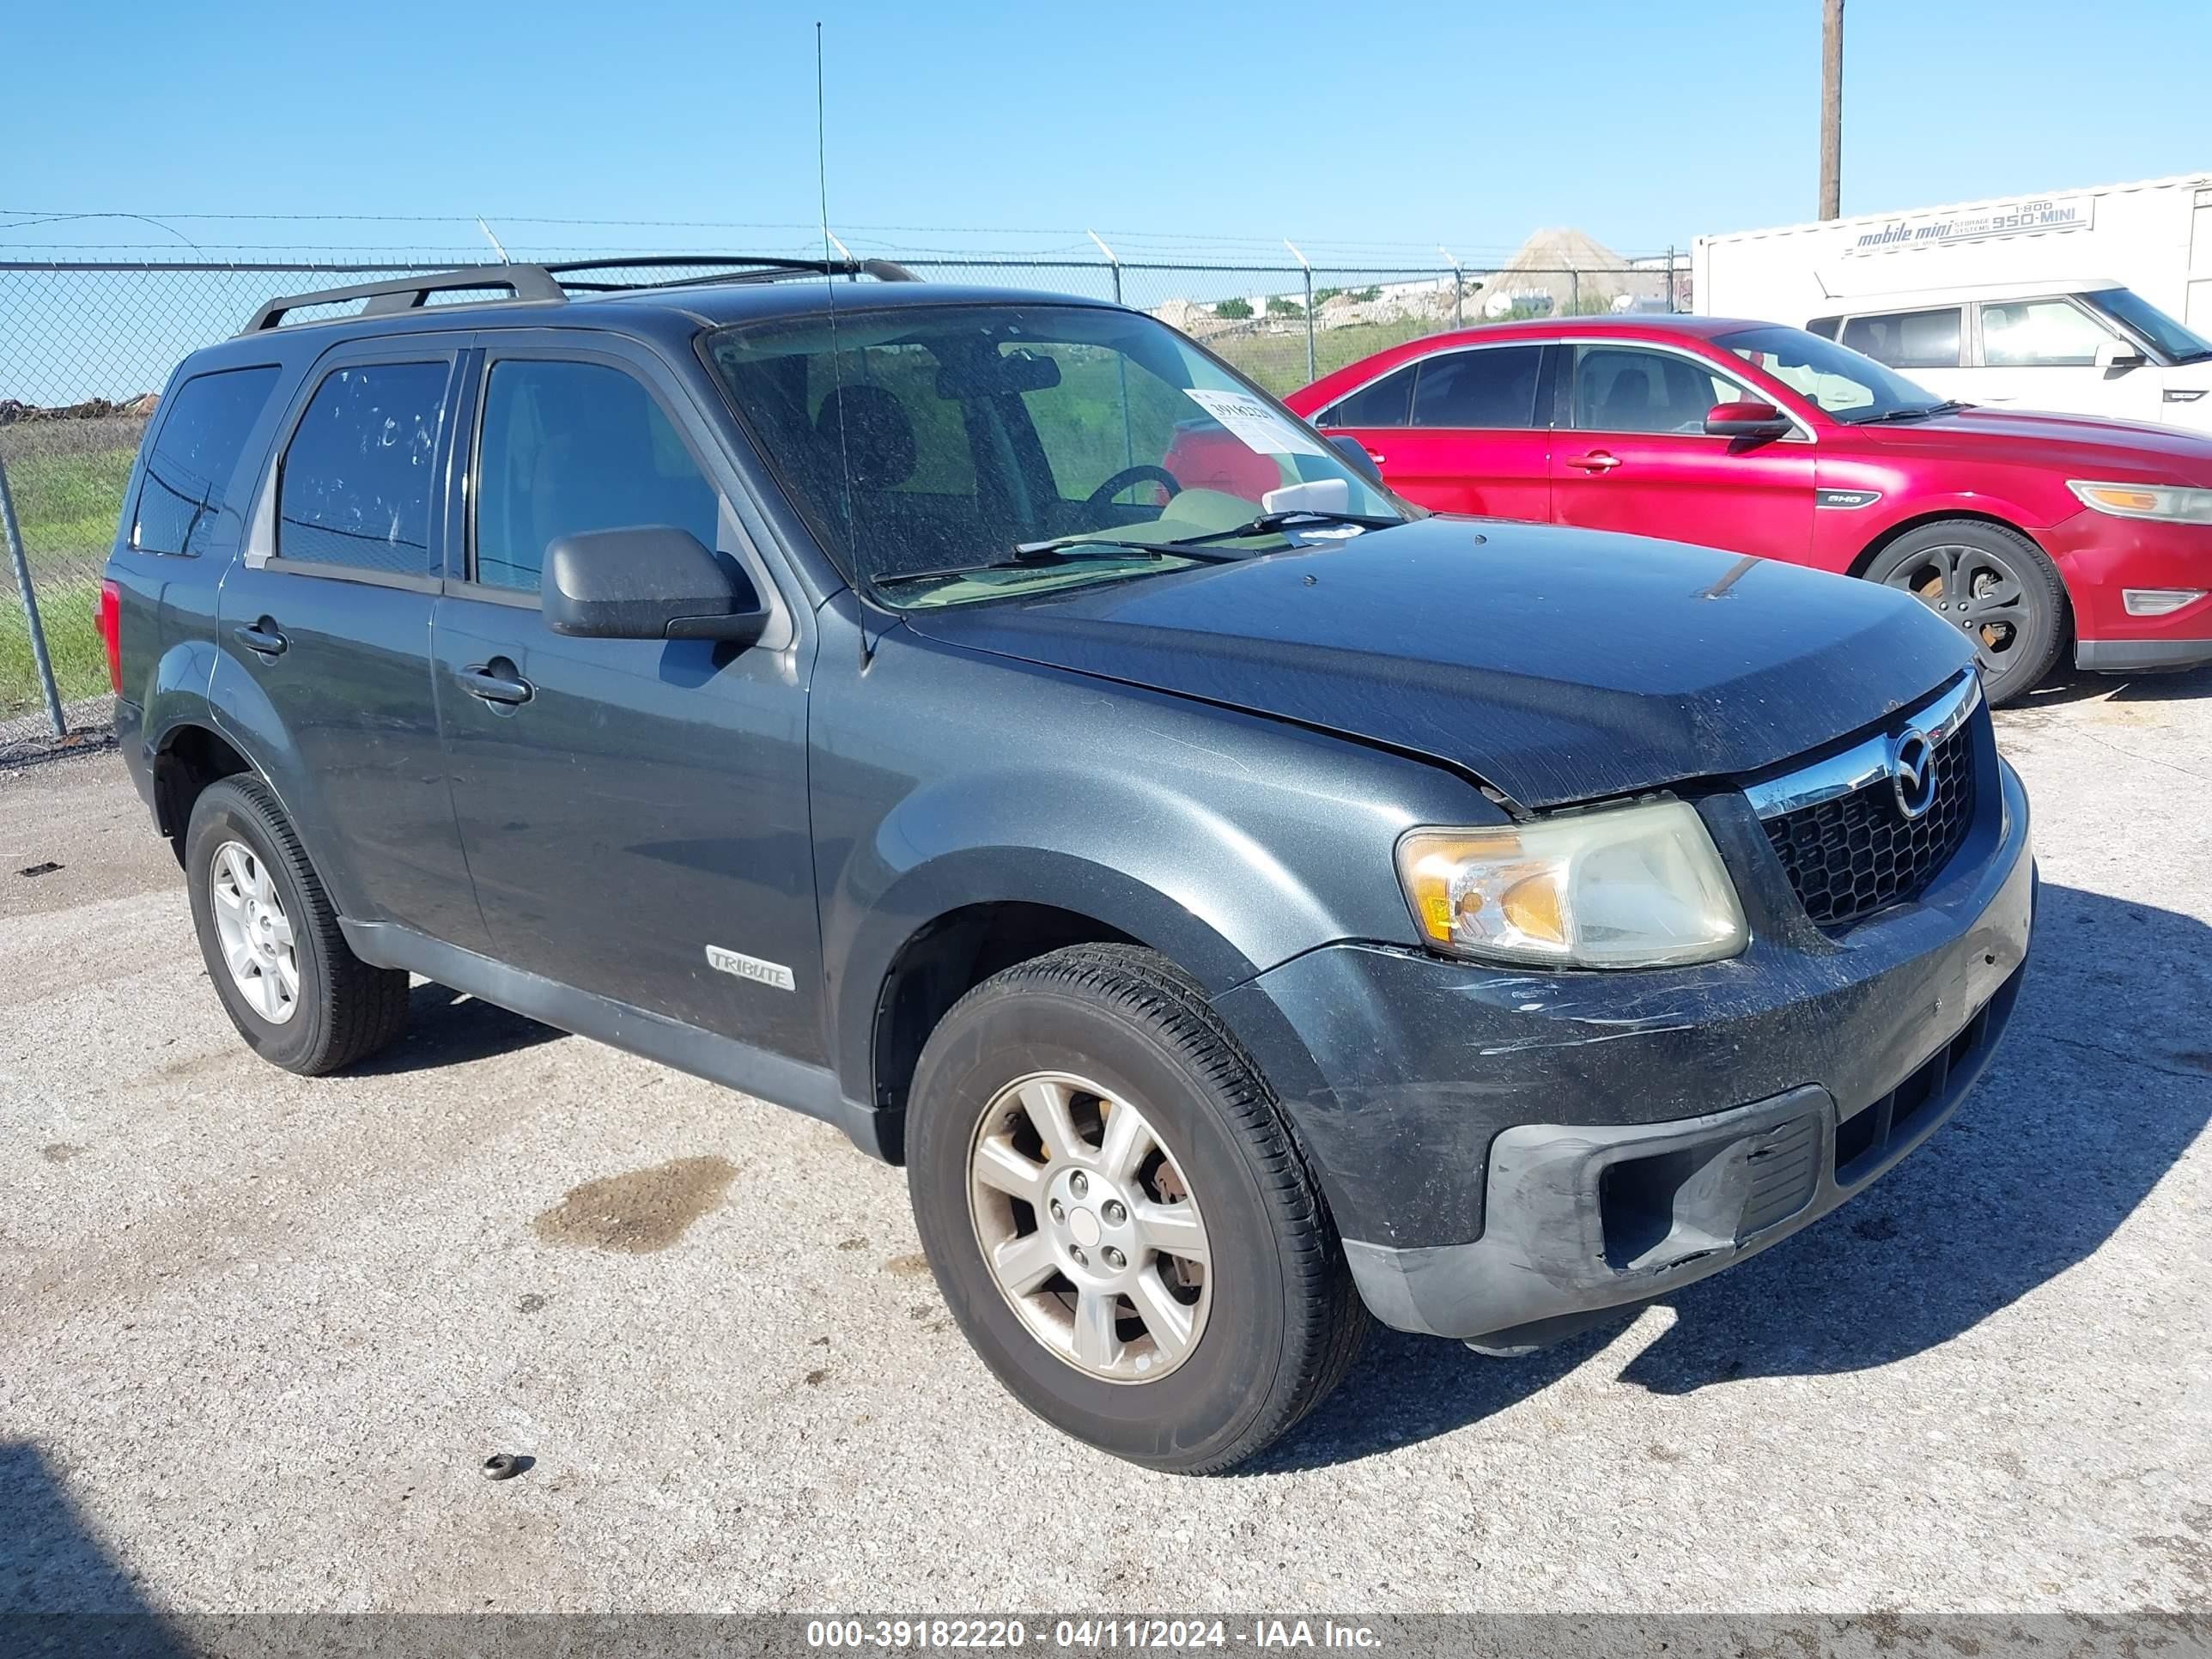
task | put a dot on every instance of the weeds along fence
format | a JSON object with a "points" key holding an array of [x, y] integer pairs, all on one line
{"points": [[85, 346]]}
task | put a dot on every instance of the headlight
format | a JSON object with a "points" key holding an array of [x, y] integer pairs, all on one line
{"points": [[1626, 887], [2128, 501]]}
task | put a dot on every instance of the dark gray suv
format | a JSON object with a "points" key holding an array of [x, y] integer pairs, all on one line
{"points": [[1243, 903]]}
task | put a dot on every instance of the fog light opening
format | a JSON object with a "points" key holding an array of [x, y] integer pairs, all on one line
{"points": [[2158, 601], [1661, 1211]]}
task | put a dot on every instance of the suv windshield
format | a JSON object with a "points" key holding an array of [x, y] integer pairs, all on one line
{"points": [[2129, 309], [936, 448], [1845, 383]]}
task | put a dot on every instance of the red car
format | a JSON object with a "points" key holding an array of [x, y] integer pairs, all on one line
{"points": [[2029, 531]]}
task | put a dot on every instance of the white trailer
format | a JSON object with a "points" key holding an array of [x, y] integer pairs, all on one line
{"points": [[2154, 237]]}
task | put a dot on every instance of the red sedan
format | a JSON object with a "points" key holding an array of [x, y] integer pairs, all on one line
{"points": [[2029, 531]]}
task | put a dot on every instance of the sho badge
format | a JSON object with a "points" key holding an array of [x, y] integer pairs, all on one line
{"points": [[752, 968]]}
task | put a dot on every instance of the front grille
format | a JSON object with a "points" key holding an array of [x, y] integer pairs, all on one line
{"points": [[1849, 857]]}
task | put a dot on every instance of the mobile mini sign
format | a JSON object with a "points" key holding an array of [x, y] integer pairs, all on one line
{"points": [[2034, 217]]}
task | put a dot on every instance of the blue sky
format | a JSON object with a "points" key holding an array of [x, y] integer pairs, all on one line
{"points": [[1343, 126]]}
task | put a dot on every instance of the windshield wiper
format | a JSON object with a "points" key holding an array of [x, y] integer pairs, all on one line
{"points": [[1049, 552], [1914, 412], [1268, 523], [1061, 549]]}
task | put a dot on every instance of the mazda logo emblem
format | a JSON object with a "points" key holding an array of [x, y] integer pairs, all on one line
{"points": [[1913, 773]]}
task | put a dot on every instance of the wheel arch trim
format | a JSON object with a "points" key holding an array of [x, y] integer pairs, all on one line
{"points": [[1971, 511], [922, 899]]}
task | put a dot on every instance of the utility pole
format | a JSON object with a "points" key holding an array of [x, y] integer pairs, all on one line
{"points": [[1832, 110]]}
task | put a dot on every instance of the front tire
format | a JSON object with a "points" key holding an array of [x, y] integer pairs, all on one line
{"points": [[1996, 585], [1119, 1217], [274, 954]]}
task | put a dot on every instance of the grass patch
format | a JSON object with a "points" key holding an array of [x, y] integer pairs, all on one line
{"points": [[1277, 361], [68, 613], [68, 480], [68, 504]]}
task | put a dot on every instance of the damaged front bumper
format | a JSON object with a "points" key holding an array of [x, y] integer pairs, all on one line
{"points": [[1585, 1220], [1510, 1155]]}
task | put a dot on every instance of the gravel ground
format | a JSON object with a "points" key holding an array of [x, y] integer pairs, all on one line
{"points": [[258, 1333]]}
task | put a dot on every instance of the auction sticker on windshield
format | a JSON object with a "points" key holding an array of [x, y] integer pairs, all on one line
{"points": [[1254, 424]]}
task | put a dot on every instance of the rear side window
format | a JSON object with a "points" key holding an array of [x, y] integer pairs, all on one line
{"points": [[1493, 387], [1385, 403], [195, 450], [357, 480], [1825, 327], [1908, 339], [571, 448]]}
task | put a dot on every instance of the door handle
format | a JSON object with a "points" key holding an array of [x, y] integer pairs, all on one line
{"points": [[261, 637], [1596, 461], [480, 681], [1375, 458]]}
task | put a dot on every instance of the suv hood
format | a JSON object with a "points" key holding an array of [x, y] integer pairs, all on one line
{"points": [[1555, 664]]}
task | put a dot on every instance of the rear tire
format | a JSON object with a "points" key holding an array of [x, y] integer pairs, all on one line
{"points": [[274, 954], [1996, 585], [1194, 1366]]}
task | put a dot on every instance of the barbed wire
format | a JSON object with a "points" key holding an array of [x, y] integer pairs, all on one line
{"points": [[1037, 241]]}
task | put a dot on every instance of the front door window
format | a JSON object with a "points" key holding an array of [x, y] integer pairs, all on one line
{"points": [[569, 447]]}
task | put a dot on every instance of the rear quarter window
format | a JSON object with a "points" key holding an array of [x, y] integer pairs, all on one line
{"points": [[1384, 402], [194, 456]]}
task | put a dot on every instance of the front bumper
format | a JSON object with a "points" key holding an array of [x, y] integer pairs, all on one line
{"points": [[2142, 656], [2101, 556], [1509, 1152], [1584, 1220]]}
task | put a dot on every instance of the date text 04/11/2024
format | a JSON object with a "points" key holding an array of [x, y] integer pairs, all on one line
{"points": [[1109, 1634]]}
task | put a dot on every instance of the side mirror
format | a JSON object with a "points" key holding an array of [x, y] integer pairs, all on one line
{"points": [[1746, 419], [650, 582], [2116, 354], [1355, 455]]}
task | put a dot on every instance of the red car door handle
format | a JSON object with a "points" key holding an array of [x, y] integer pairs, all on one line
{"points": [[1596, 461]]}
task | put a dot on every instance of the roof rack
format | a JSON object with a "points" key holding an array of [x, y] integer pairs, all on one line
{"points": [[410, 293], [750, 268], [551, 284]]}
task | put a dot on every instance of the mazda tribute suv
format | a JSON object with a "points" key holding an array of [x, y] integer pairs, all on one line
{"points": [[1243, 910]]}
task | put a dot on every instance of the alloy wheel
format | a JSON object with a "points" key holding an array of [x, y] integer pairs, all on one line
{"points": [[1976, 590], [1089, 1229], [257, 937]]}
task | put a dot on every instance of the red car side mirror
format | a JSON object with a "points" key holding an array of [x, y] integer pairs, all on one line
{"points": [[1746, 419]]}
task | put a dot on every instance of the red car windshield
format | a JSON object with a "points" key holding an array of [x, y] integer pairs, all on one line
{"points": [[1842, 382]]}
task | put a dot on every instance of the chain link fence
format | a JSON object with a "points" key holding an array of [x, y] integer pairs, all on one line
{"points": [[86, 345]]}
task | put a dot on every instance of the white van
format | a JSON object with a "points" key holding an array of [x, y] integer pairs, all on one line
{"points": [[2082, 347]]}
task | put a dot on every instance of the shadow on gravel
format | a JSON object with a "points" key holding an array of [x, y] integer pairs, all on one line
{"points": [[446, 1028], [58, 1585], [2069, 684], [2104, 1080]]}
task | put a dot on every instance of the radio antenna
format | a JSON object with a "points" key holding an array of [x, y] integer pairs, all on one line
{"points": [[829, 284]]}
